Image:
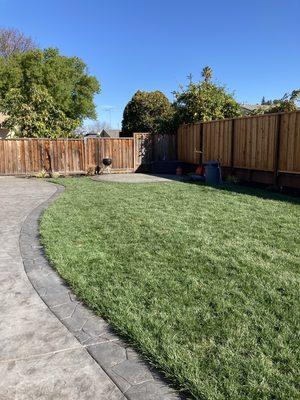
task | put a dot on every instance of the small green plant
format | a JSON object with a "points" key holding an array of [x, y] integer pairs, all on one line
{"points": [[42, 174], [55, 175]]}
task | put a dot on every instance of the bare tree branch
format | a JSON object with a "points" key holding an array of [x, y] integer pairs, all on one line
{"points": [[12, 41]]}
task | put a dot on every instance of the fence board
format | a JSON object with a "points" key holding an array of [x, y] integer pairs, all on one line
{"points": [[164, 147], [189, 143], [143, 150], [268, 143], [30, 156], [289, 158], [217, 141]]}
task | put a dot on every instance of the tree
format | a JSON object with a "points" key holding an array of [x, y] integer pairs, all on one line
{"points": [[207, 73], [147, 112], [286, 104], [64, 80], [13, 42], [204, 101], [36, 115], [98, 126]]}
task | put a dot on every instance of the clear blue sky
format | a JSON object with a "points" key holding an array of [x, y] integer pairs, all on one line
{"points": [[252, 46]]}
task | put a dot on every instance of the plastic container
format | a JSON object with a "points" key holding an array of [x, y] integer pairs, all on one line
{"points": [[213, 173]]}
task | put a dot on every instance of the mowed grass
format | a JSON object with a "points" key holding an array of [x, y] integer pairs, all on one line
{"points": [[203, 281]]}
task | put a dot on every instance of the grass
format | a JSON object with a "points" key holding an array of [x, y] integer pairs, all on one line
{"points": [[203, 281]]}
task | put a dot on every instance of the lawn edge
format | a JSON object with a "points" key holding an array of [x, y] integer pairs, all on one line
{"points": [[132, 374]]}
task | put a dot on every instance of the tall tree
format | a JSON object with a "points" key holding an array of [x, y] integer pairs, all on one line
{"points": [[36, 114], [64, 81], [147, 112], [13, 42], [204, 101]]}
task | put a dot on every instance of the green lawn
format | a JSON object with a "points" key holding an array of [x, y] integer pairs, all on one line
{"points": [[204, 282]]}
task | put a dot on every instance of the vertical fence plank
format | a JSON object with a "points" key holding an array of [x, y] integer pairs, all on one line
{"points": [[247, 142]]}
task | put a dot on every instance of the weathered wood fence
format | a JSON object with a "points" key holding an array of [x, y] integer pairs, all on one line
{"points": [[76, 156], [66, 156], [264, 148]]}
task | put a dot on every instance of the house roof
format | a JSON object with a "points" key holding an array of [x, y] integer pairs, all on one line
{"points": [[113, 133], [250, 107], [3, 117], [91, 134]]}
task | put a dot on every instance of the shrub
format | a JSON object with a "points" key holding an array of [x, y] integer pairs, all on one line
{"points": [[147, 112], [42, 174]]}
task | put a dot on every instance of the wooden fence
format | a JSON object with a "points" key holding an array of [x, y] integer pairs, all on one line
{"points": [[164, 147], [76, 156], [66, 156], [120, 150], [264, 148]]}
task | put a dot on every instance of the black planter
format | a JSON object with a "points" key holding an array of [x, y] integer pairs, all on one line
{"points": [[107, 161]]}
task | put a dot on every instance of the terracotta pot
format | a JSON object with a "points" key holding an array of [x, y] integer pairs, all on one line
{"points": [[179, 171]]}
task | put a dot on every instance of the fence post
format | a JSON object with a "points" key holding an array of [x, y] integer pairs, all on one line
{"points": [[176, 144], [232, 145], [277, 149], [201, 144], [83, 155]]}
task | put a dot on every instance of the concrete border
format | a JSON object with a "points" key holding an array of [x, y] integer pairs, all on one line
{"points": [[133, 376]]}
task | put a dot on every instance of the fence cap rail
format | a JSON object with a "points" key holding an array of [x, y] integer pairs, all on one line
{"points": [[63, 139], [242, 117]]}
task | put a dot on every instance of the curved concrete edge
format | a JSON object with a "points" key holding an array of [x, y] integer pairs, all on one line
{"points": [[132, 375]]}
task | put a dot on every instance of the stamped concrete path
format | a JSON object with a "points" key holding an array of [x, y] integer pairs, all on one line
{"points": [[51, 346]]}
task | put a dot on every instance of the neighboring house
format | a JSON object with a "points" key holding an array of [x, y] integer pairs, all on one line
{"points": [[249, 108], [105, 133], [3, 131], [91, 135], [111, 133]]}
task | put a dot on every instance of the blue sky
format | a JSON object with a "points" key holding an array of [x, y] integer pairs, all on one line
{"points": [[252, 46]]}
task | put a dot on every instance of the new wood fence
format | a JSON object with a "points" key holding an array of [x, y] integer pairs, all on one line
{"points": [[164, 147], [264, 148]]}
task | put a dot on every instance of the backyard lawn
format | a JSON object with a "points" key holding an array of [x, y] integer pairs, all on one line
{"points": [[203, 281]]}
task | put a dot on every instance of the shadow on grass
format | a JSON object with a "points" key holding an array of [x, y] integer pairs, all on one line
{"points": [[259, 192], [256, 191]]}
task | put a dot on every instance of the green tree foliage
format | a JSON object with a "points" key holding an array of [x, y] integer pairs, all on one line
{"points": [[64, 81], [207, 73], [36, 114], [204, 101], [148, 112], [287, 103], [200, 101]]}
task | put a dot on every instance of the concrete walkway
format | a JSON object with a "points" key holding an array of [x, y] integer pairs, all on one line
{"points": [[51, 346], [39, 357]]}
